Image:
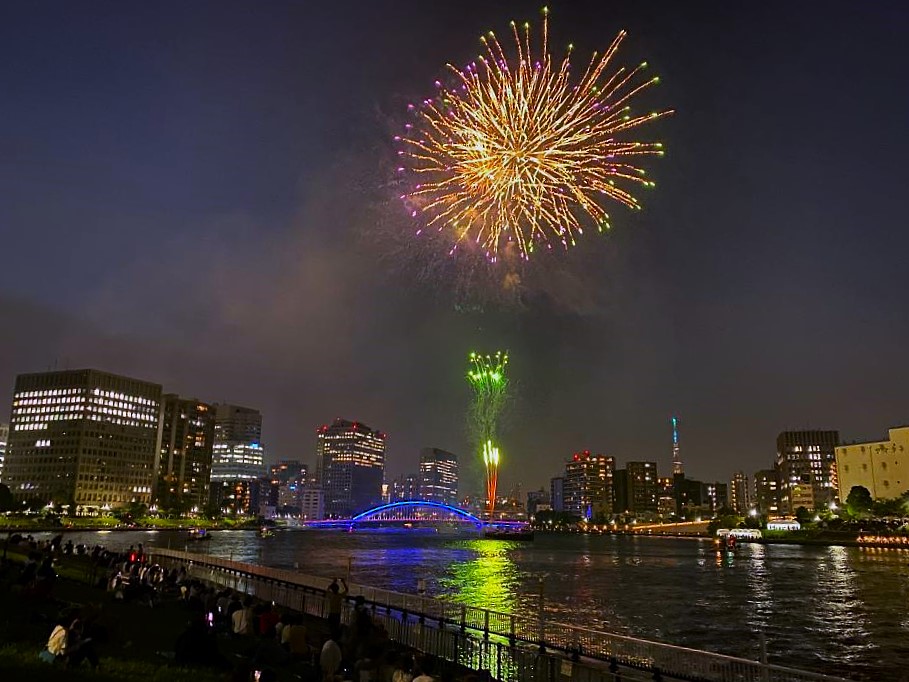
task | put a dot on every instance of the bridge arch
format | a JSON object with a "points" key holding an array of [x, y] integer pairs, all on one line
{"points": [[375, 511]]}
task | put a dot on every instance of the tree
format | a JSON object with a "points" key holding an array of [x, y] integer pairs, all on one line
{"points": [[859, 500], [802, 515], [7, 503]]}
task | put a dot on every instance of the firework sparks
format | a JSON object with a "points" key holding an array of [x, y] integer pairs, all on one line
{"points": [[490, 384], [517, 151]]}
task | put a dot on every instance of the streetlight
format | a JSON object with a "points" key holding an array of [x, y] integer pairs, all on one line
{"points": [[753, 512]]}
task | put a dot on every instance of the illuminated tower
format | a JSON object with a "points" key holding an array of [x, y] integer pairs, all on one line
{"points": [[489, 382], [676, 454]]}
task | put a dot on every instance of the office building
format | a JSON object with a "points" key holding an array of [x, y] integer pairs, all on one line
{"points": [[557, 494], [405, 487], [289, 476], [184, 465], [690, 494], [767, 492], [83, 437], [881, 466], [666, 497], [740, 493], [287, 470], [240, 497], [350, 467], [717, 496], [312, 503], [438, 476], [806, 462], [4, 437], [588, 485], [537, 500], [643, 491], [238, 453]]}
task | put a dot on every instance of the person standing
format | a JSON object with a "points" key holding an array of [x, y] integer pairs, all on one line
{"points": [[335, 601]]}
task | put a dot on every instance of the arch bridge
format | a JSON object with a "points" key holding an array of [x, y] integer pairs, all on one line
{"points": [[409, 511]]}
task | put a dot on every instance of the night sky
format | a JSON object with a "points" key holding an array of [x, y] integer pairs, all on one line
{"points": [[196, 194]]}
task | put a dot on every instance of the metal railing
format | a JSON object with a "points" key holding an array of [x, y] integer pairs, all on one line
{"points": [[515, 648]]}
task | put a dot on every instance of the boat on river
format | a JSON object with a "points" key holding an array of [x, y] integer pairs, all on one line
{"points": [[197, 534], [520, 535]]}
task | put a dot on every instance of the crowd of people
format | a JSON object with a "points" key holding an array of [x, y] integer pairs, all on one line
{"points": [[260, 638]]}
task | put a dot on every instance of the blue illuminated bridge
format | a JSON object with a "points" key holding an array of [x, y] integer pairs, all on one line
{"points": [[413, 511]]}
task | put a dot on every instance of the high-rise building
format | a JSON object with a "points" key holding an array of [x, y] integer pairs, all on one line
{"points": [[666, 507], [557, 494], [689, 494], [676, 448], [537, 499], [184, 466], [289, 476], [350, 467], [880, 466], [405, 487], [740, 493], [438, 476], [241, 496], [238, 453], [643, 487], [4, 437], [83, 437], [767, 492], [588, 485], [806, 462], [717, 496], [287, 470], [312, 503]]}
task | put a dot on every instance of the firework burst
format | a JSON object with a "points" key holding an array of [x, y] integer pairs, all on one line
{"points": [[488, 378], [518, 152]]}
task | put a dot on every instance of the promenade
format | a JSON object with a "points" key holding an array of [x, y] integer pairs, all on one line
{"points": [[143, 635], [513, 647]]}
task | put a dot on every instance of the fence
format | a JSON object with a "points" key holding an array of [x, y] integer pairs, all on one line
{"points": [[514, 648]]}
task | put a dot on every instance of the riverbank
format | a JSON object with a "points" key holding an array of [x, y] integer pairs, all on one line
{"points": [[67, 525], [143, 640]]}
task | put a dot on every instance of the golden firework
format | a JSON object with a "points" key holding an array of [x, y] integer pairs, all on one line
{"points": [[517, 151]]}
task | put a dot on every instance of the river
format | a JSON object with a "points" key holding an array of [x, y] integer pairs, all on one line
{"points": [[835, 610]]}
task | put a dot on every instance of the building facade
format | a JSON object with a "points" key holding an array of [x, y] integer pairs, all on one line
{"points": [[289, 476], [312, 504], [405, 487], [717, 496], [740, 497], [666, 497], [350, 467], [643, 488], [237, 453], [588, 485], [184, 466], [767, 492], [806, 463], [83, 437], [557, 494], [881, 466], [4, 438], [438, 476]]}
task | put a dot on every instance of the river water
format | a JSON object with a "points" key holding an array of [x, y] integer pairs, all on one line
{"points": [[835, 610]]}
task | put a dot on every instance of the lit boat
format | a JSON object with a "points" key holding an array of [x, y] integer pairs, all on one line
{"points": [[521, 535], [197, 534]]}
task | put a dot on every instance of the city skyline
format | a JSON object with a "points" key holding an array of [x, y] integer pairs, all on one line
{"points": [[201, 195]]}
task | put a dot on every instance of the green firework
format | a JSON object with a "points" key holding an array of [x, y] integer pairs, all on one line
{"points": [[489, 381]]}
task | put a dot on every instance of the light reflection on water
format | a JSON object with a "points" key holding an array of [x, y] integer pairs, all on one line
{"points": [[832, 609]]}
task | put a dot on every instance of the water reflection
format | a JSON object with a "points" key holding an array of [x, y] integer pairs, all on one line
{"points": [[836, 610], [487, 580]]}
